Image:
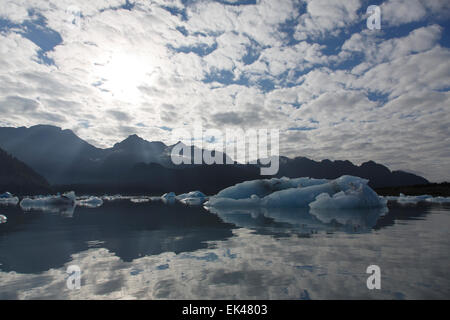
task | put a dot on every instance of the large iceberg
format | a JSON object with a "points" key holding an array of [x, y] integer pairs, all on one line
{"points": [[265, 187], [346, 192]]}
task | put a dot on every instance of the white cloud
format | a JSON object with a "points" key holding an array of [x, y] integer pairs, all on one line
{"points": [[144, 63]]}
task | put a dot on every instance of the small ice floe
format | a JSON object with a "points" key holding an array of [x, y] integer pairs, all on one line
{"points": [[193, 198], [344, 192], [438, 200], [168, 198], [64, 203], [90, 202], [6, 195], [8, 199], [192, 201], [115, 197], [3, 219], [412, 200], [140, 200]]}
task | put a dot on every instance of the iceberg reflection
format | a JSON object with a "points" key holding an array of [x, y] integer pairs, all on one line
{"points": [[302, 219]]}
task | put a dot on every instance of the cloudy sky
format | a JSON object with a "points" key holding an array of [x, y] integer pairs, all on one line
{"points": [[335, 89]]}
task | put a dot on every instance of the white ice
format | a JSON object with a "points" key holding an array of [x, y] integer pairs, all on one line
{"points": [[352, 192], [408, 200], [90, 202], [168, 197], [8, 199], [193, 198], [50, 203], [6, 195], [140, 200], [438, 200]]}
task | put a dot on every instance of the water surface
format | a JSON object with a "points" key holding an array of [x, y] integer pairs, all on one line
{"points": [[154, 251]]}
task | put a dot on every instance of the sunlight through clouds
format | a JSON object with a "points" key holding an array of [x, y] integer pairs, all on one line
{"points": [[278, 64]]}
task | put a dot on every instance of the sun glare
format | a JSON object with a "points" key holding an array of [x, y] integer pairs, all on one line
{"points": [[122, 74]]}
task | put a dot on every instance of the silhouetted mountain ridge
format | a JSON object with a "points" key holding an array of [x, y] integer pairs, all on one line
{"points": [[18, 178], [63, 158]]}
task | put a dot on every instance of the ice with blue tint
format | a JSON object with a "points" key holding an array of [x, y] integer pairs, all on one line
{"points": [[8, 199], [411, 200], [6, 195], [168, 197], [346, 192], [140, 200], [90, 202], [64, 204], [192, 194], [193, 198], [264, 187]]}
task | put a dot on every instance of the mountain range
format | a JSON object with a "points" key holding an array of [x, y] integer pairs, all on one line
{"points": [[138, 166]]}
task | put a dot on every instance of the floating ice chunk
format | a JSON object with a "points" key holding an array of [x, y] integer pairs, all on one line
{"points": [[296, 193], [64, 204], [193, 198], [438, 200], [168, 197], [6, 195], [115, 197], [140, 200], [264, 187], [411, 199], [233, 203], [9, 201], [91, 202], [408, 200], [193, 201], [3, 219], [192, 194], [362, 197]]}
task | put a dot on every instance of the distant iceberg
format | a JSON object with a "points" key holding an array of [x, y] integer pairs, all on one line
{"points": [[115, 197], [346, 192], [6, 195], [411, 200], [8, 199], [59, 203], [168, 198], [438, 200], [140, 200], [193, 198], [90, 202]]}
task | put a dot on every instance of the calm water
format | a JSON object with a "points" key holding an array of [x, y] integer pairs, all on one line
{"points": [[156, 251]]}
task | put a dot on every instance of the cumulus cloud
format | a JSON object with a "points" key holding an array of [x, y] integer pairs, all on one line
{"points": [[309, 68]]}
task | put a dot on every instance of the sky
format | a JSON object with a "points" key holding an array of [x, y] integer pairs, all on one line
{"points": [[312, 69]]}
